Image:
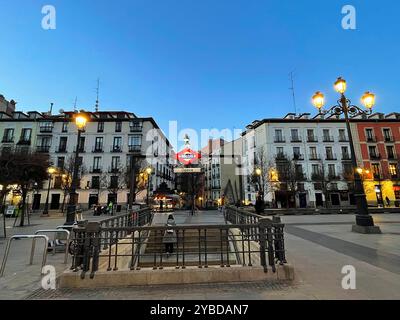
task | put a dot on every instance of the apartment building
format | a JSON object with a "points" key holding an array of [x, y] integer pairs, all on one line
{"points": [[378, 151], [316, 149], [222, 166], [106, 147]]}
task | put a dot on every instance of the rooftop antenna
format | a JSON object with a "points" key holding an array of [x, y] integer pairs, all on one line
{"points": [[75, 103], [293, 92], [97, 92], [51, 107]]}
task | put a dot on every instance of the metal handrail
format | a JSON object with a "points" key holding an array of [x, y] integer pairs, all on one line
{"points": [[18, 237], [55, 231]]}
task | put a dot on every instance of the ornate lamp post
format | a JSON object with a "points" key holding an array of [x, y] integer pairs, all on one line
{"points": [[50, 171], [149, 172], [364, 221], [259, 173], [80, 121]]}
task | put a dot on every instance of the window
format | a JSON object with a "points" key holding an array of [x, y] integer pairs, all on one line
{"points": [[369, 134], [96, 163], [390, 152], [118, 126], [61, 162], [387, 135], [95, 182], [279, 152], [332, 170], [348, 169], [313, 153], [295, 135], [64, 128], [114, 182], [100, 126], [372, 152], [342, 135], [26, 136], [310, 135], [82, 144], [279, 136], [98, 144], [345, 153], [315, 169], [46, 127], [329, 153], [393, 170], [135, 140], [376, 170], [115, 163], [63, 144], [296, 153], [8, 135], [299, 170], [326, 135], [45, 142], [117, 146], [136, 126]]}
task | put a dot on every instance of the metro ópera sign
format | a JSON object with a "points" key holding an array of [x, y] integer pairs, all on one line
{"points": [[188, 156]]}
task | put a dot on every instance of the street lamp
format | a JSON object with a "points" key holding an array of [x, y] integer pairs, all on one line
{"points": [[149, 172], [80, 121], [50, 171], [364, 221], [259, 173]]}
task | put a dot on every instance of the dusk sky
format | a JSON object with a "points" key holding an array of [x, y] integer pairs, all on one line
{"points": [[205, 64]]}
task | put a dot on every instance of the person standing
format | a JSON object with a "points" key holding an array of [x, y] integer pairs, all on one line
{"points": [[387, 201]]}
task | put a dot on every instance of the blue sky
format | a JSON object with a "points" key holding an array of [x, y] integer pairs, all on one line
{"points": [[207, 64]]}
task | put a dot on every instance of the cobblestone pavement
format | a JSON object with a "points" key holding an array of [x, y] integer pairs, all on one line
{"points": [[317, 246]]}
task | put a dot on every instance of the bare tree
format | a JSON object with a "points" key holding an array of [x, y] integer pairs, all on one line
{"points": [[23, 168]]}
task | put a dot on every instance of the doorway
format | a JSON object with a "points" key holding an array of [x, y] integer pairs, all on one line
{"points": [[319, 202], [55, 201], [93, 199], [335, 199], [303, 200], [36, 202]]}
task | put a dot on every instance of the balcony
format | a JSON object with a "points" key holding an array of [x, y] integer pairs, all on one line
{"points": [[333, 177], [328, 139], [346, 157], [312, 139], [375, 156], [135, 149], [300, 176], [317, 176], [295, 139], [113, 170], [136, 128], [314, 157], [392, 156], [96, 170], [8, 140], [371, 139], [279, 139], [281, 157], [80, 150], [343, 139], [116, 149], [331, 157], [298, 157], [388, 138], [24, 142], [43, 149], [46, 129], [98, 149], [61, 149]]}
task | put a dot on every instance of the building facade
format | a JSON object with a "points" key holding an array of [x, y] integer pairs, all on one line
{"points": [[378, 151], [107, 146], [303, 161]]}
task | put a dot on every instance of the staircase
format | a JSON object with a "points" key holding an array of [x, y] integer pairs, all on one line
{"points": [[193, 245]]}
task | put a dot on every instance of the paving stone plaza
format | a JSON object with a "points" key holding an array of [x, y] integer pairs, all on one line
{"points": [[318, 247]]}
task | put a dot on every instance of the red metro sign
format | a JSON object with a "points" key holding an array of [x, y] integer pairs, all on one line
{"points": [[187, 156]]}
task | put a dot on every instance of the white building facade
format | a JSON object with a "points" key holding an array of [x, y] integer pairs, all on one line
{"points": [[318, 150], [106, 146]]}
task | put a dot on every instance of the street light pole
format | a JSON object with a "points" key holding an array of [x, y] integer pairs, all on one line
{"points": [[46, 206], [149, 173], [80, 121], [364, 221]]}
